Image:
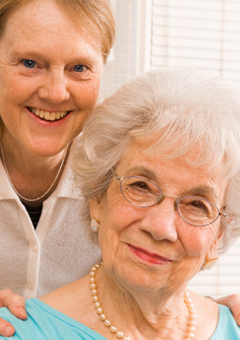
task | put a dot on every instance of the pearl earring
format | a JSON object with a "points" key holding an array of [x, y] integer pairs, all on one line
{"points": [[210, 263], [95, 225]]}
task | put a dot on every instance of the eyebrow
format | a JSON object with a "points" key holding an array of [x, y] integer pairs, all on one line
{"points": [[84, 58], [142, 171], [201, 190]]}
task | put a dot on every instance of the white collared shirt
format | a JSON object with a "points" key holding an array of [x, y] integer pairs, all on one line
{"points": [[33, 263]]}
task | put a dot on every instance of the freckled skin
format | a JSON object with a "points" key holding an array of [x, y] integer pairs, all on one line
{"points": [[42, 32], [158, 229]]}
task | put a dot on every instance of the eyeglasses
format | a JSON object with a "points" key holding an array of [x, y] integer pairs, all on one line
{"points": [[143, 193]]}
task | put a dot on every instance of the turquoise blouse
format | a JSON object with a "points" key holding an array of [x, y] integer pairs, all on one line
{"points": [[44, 322]]}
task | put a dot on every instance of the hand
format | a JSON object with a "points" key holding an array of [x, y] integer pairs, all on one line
{"points": [[16, 305], [232, 302]]}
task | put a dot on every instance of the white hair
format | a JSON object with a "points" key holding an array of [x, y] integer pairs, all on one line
{"points": [[188, 108]]}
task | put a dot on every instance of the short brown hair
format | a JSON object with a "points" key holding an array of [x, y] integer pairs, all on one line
{"points": [[96, 15], [93, 17]]}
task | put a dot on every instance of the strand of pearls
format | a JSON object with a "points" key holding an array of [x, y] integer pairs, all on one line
{"points": [[192, 316], [113, 329], [98, 307]]}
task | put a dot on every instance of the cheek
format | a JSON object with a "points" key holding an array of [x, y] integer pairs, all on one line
{"points": [[15, 88], [113, 220], [123, 214], [185, 271], [196, 244], [87, 93], [197, 240], [116, 220]]}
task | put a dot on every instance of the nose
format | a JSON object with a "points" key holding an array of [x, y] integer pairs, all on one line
{"points": [[161, 221], [55, 87]]}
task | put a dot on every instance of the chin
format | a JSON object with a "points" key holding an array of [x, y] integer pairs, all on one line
{"points": [[47, 148]]}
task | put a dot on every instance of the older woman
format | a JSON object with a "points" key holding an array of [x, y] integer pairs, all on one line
{"points": [[52, 54], [159, 169]]}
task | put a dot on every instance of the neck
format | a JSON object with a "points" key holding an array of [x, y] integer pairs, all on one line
{"points": [[149, 315], [32, 175]]}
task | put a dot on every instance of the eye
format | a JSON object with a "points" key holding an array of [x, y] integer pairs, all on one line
{"points": [[79, 68], [140, 192], [196, 206], [138, 185], [29, 63], [135, 191]]}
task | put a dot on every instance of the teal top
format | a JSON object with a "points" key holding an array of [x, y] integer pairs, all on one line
{"points": [[227, 329], [44, 322]]}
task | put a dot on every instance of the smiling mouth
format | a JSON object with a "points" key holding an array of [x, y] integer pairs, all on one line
{"points": [[149, 257], [49, 116]]}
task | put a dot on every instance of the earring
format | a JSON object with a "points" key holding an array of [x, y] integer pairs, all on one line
{"points": [[95, 225], [210, 263]]}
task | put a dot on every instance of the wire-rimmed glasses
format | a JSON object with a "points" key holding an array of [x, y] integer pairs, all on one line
{"points": [[143, 193]]}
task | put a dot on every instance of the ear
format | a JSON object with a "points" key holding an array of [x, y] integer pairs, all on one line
{"points": [[95, 208], [213, 250]]}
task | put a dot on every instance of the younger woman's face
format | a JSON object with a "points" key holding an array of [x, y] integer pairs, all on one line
{"points": [[49, 78]]}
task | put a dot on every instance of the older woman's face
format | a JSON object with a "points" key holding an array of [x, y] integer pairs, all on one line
{"points": [[153, 247], [49, 78]]}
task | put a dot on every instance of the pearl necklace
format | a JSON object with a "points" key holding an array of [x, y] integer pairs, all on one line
{"points": [[38, 198], [192, 316], [114, 330]]}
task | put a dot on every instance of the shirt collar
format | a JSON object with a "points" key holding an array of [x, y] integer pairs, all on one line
{"points": [[67, 186], [6, 190]]}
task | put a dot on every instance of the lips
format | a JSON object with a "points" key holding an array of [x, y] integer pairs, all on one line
{"points": [[148, 256], [49, 116]]}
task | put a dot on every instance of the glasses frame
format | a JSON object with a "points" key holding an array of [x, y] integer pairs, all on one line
{"points": [[176, 200]]}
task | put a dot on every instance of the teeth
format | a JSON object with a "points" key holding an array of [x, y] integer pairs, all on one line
{"points": [[47, 115], [37, 112], [53, 116]]}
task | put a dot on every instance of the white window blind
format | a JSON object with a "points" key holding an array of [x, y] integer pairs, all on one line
{"points": [[197, 33]]}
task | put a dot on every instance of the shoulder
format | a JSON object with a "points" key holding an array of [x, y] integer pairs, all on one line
{"points": [[44, 322], [227, 327], [215, 321], [73, 299], [26, 329]]}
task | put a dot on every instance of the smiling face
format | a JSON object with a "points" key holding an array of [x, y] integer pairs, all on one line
{"points": [[49, 78], [153, 248]]}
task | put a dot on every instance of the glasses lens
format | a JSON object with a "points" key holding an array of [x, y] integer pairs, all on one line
{"points": [[139, 191], [197, 211]]}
